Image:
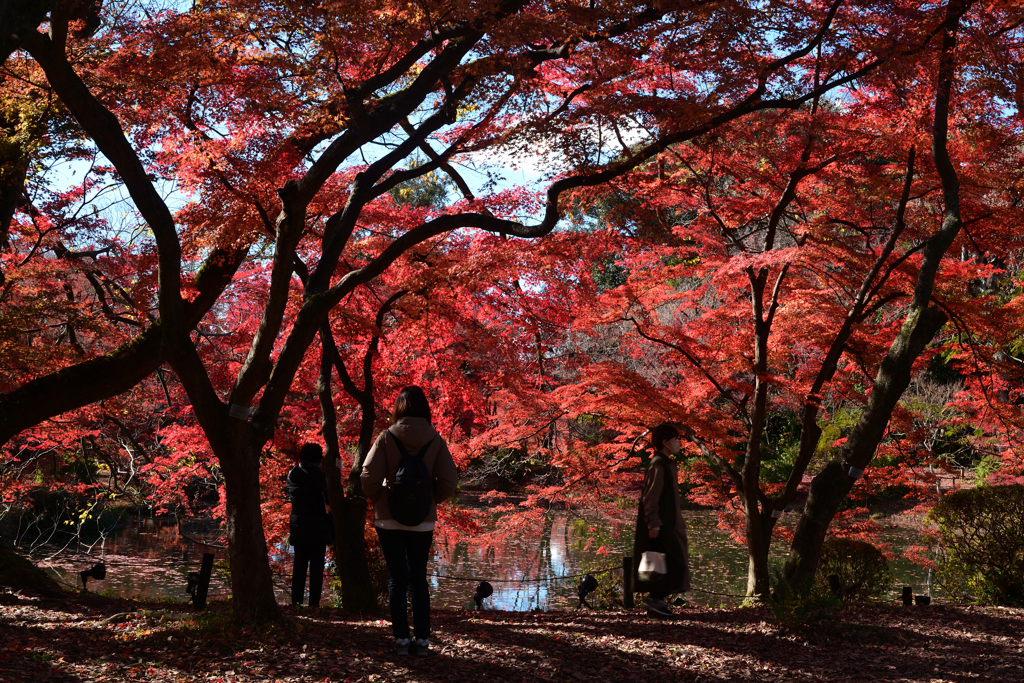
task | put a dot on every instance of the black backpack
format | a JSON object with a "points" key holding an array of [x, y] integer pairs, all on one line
{"points": [[409, 495]]}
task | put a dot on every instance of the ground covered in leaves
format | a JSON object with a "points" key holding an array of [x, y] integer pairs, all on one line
{"points": [[68, 638]]}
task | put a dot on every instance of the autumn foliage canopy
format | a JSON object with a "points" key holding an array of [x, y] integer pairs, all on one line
{"points": [[793, 228]]}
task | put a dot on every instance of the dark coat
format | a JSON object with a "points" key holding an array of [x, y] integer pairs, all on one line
{"points": [[309, 523], [672, 537]]}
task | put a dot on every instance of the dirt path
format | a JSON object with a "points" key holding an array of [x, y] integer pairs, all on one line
{"points": [[110, 640]]}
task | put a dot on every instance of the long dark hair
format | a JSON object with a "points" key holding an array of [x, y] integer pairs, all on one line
{"points": [[411, 402]]}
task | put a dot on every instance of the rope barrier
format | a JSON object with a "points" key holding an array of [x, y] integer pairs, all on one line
{"points": [[727, 595], [203, 543], [281, 583], [550, 579]]}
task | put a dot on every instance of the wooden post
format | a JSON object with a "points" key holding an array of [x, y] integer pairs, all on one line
{"points": [[627, 582], [835, 586], [205, 571]]}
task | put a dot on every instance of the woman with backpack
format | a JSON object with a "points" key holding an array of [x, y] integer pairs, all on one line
{"points": [[660, 526], [407, 472]]}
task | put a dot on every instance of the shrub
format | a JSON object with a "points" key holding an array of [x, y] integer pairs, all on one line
{"points": [[796, 610], [862, 569], [981, 532]]}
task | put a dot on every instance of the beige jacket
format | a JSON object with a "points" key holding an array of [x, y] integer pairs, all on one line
{"points": [[382, 462]]}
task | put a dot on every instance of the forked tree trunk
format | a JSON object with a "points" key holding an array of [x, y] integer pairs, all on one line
{"points": [[357, 594], [348, 504], [348, 508]]}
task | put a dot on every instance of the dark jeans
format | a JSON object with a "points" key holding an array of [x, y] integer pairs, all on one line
{"points": [[406, 554], [311, 556]]}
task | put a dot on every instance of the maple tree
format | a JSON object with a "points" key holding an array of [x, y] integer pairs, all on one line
{"points": [[257, 111], [773, 270], [265, 149]]}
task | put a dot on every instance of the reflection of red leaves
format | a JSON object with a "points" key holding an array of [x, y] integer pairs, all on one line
{"points": [[920, 555]]}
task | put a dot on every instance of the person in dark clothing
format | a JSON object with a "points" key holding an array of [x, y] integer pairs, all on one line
{"points": [[660, 526], [310, 525]]}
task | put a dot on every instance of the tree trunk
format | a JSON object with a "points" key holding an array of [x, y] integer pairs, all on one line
{"points": [[759, 539], [831, 486], [348, 505], [252, 589]]}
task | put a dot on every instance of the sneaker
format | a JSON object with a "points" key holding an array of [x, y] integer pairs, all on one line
{"points": [[422, 646], [401, 646], [657, 608]]}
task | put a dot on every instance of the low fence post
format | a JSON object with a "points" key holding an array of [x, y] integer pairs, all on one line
{"points": [[627, 582], [205, 571]]}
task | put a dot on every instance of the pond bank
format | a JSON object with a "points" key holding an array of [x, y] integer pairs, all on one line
{"points": [[536, 565], [67, 640]]}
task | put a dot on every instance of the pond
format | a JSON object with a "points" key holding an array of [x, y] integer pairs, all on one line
{"points": [[148, 558], [535, 567], [529, 567]]}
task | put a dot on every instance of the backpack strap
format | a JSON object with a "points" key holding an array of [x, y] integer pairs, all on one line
{"points": [[404, 452], [401, 446]]}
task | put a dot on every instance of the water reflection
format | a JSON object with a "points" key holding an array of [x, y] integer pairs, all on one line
{"points": [[148, 558], [535, 565], [532, 567]]}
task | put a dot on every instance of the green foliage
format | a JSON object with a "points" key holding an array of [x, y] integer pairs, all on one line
{"points": [[984, 467], [781, 445], [941, 367], [589, 428], [792, 609], [429, 190], [511, 463], [841, 425], [862, 569], [607, 274], [608, 595], [981, 532], [954, 444]]}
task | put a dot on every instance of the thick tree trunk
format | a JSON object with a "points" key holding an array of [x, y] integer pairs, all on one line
{"points": [[830, 487], [759, 540], [252, 589], [757, 564]]}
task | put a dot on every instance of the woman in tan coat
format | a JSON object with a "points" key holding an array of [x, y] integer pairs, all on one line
{"points": [[406, 546]]}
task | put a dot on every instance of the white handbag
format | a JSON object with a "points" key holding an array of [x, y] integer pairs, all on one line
{"points": [[651, 563]]}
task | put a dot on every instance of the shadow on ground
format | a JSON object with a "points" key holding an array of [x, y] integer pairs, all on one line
{"points": [[68, 639]]}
